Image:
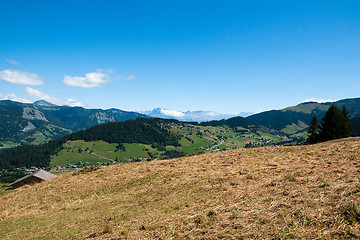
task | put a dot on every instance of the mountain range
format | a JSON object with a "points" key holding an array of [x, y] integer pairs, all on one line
{"points": [[41, 121], [296, 119], [94, 135], [191, 116], [24, 123]]}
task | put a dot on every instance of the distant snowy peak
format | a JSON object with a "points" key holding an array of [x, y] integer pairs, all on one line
{"points": [[191, 116], [164, 113], [172, 113]]}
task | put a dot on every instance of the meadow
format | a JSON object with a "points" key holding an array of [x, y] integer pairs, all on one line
{"points": [[295, 192]]}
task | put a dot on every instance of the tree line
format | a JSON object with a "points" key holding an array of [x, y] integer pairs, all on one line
{"points": [[141, 130], [335, 124]]}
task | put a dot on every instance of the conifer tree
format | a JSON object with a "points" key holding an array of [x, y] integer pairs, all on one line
{"points": [[313, 130], [335, 124], [348, 131]]}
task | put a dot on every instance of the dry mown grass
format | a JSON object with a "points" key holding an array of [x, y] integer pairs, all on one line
{"points": [[264, 193]]}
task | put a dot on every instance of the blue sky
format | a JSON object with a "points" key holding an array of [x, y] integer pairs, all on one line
{"points": [[223, 56]]}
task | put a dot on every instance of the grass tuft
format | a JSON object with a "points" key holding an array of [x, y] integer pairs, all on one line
{"points": [[351, 212]]}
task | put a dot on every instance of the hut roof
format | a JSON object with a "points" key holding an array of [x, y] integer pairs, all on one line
{"points": [[41, 174]]}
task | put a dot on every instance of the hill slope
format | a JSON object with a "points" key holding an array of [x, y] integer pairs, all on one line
{"points": [[295, 120], [39, 122], [263, 193]]}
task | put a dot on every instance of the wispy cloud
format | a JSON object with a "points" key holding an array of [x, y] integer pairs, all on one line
{"points": [[318, 100], [13, 97], [18, 77], [13, 62], [109, 70], [90, 80], [130, 77], [49, 98]]}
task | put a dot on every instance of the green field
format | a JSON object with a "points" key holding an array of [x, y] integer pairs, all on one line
{"points": [[193, 139], [8, 144], [98, 151], [191, 148]]}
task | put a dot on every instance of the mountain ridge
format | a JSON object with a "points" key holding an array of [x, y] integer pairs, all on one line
{"points": [[48, 121], [191, 116], [41, 121], [299, 116]]}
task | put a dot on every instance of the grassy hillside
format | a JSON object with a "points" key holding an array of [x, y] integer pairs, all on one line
{"points": [[309, 108], [97, 151], [294, 120], [301, 192]]}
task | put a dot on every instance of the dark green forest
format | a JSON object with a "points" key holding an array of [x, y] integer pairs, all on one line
{"points": [[355, 123], [231, 122], [141, 130], [276, 119]]}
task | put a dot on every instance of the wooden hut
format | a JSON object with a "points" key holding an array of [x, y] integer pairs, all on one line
{"points": [[35, 177]]}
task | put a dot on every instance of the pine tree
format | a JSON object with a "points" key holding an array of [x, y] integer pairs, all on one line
{"points": [[348, 131], [335, 124], [313, 130]]}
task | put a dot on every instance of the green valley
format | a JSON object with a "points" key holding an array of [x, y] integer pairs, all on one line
{"points": [[193, 139]]}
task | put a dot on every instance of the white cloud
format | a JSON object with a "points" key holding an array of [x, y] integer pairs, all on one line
{"points": [[15, 98], [73, 103], [51, 99], [13, 62], [211, 114], [318, 100], [130, 77], [90, 80], [18, 77], [172, 113]]}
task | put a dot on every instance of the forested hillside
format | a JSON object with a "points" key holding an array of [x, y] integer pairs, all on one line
{"points": [[297, 118], [278, 120], [135, 131], [231, 122], [148, 131], [23, 123]]}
